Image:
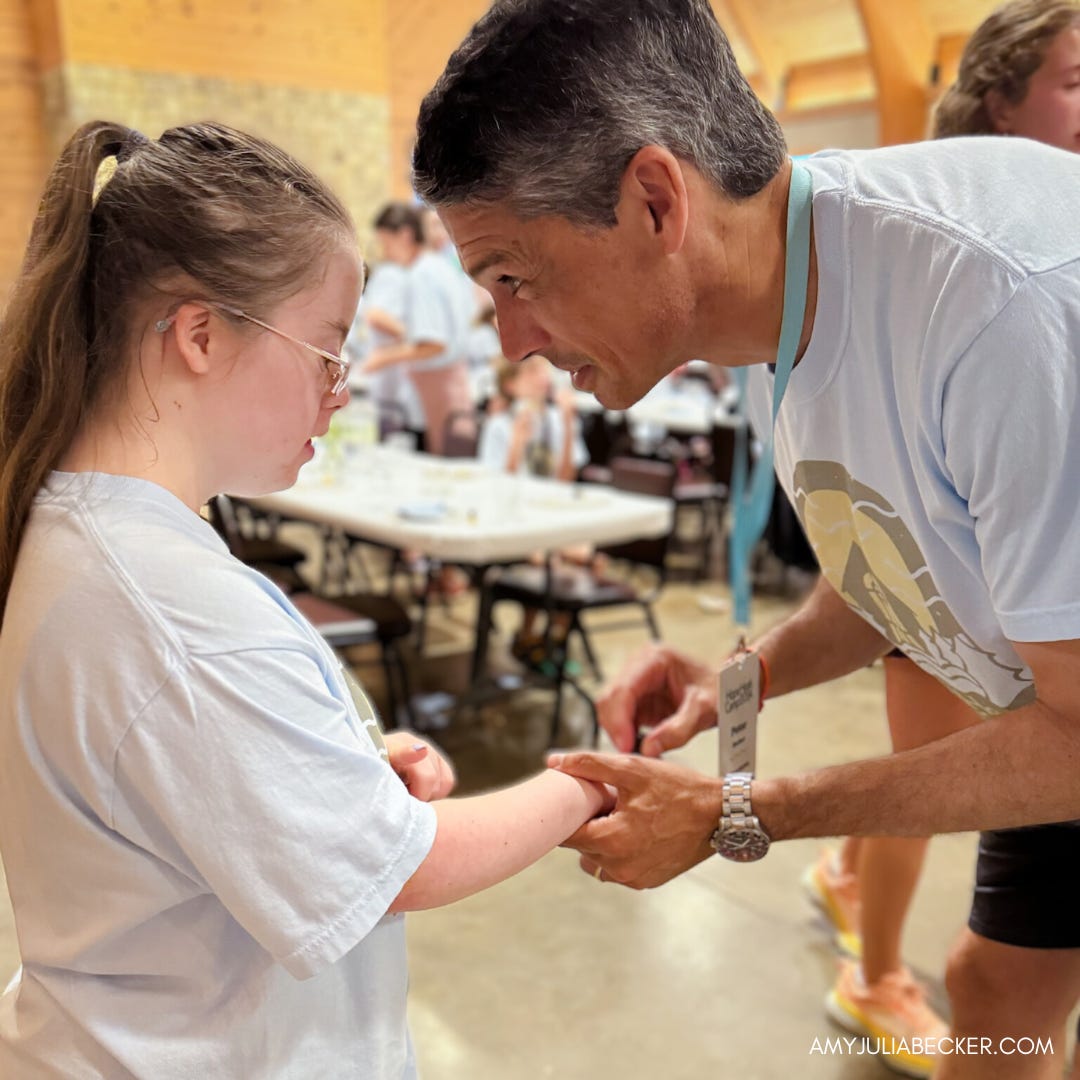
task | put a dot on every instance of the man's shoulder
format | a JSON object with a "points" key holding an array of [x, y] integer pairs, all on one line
{"points": [[1009, 198]]}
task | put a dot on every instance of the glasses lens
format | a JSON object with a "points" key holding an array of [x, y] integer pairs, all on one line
{"points": [[339, 373]]}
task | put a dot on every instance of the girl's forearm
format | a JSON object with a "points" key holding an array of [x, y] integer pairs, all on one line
{"points": [[485, 839]]}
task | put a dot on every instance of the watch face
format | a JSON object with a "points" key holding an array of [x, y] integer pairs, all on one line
{"points": [[743, 845]]}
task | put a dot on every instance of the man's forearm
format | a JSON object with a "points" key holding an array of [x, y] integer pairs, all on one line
{"points": [[823, 640], [392, 355], [1016, 769]]}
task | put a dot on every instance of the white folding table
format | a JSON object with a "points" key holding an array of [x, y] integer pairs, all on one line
{"points": [[459, 511]]}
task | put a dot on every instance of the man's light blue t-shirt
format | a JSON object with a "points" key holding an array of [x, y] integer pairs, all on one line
{"points": [[929, 439]]}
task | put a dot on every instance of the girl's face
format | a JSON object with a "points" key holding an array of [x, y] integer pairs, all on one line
{"points": [[397, 245], [276, 397], [1050, 112], [533, 379]]}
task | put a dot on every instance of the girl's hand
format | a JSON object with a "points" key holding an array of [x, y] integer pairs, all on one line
{"points": [[423, 770]]}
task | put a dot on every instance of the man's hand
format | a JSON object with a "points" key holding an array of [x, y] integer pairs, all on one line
{"points": [[423, 770], [662, 689], [664, 815]]}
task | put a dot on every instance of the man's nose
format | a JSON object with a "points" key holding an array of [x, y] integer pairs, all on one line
{"points": [[520, 334]]}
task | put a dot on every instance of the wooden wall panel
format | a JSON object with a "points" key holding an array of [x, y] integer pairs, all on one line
{"points": [[21, 135], [421, 35], [315, 44]]}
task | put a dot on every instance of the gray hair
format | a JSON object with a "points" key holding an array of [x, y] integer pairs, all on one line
{"points": [[546, 101]]}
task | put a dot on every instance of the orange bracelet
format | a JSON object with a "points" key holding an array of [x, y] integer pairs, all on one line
{"points": [[763, 686]]}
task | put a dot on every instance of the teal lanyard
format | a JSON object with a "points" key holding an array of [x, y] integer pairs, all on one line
{"points": [[752, 501]]}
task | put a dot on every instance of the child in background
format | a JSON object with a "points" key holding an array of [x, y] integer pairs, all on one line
{"points": [[207, 854], [526, 433]]}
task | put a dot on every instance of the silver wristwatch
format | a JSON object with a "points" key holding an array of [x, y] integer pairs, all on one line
{"points": [[740, 835]]}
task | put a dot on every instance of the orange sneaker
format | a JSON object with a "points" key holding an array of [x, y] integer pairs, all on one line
{"points": [[893, 1013], [837, 894]]}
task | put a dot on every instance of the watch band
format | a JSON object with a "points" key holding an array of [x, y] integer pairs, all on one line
{"points": [[736, 799]]}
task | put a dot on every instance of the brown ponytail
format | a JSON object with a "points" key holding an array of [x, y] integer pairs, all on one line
{"points": [[1007, 48], [204, 208]]}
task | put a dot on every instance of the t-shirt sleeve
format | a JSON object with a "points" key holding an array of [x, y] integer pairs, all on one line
{"points": [[427, 315], [1011, 438], [493, 450], [249, 776], [579, 452]]}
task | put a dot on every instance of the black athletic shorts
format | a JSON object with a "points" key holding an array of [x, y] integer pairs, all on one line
{"points": [[1027, 884]]}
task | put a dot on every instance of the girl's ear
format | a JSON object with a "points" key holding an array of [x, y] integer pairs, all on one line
{"points": [[1000, 111], [197, 335]]}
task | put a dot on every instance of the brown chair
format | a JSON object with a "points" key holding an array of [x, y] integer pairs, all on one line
{"points": [[461, 434], [392, 418], [579, 590], [706, 496], [238, 527]]}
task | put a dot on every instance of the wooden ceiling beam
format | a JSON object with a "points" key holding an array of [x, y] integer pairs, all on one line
{"points": [[772, 63], [838, 81], [901, 46], [47, 21]]}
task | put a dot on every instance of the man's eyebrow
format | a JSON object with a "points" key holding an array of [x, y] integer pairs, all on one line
{"points": [[486, 263]]}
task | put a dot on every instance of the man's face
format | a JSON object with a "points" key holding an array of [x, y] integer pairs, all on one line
{"points": [[604, 304]]}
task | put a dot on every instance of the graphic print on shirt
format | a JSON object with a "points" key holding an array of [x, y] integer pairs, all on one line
{"points": [[869, 556]]}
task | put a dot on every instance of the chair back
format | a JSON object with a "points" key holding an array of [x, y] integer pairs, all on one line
{"points": [[226, 523], [392, 418], [643, 476], [723, 453], [461, 434]]}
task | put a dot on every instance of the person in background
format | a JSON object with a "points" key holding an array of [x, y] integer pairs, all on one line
{"points": [[435, 319], [380, 323], [1019, 75], [208, 843], [483, 352], [527, 433]]}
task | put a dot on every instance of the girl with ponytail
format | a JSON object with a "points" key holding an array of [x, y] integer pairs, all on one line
{"points": [[206, 841], [1019, 75]]}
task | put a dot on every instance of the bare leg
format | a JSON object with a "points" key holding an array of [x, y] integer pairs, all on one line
{"points": [[888, 873], [441, 392], [1003, 992], [920, 710], [850, 854]]}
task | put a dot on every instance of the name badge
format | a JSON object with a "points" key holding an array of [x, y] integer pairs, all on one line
{"points": [[740, 694]]}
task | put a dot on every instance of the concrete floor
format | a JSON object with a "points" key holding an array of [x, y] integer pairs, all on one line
{"points": [[720, 973]]}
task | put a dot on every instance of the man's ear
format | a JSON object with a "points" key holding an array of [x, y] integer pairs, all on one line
{"points": [[653, 192], [197, 335], [1000, 110]]}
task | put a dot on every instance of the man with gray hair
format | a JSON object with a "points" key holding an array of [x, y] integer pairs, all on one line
{"points": [[607, 174]]}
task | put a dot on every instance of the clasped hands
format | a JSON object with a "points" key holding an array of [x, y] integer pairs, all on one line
{"points": [[664, 813]]}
